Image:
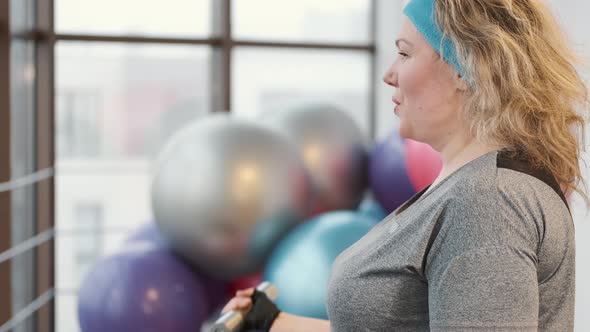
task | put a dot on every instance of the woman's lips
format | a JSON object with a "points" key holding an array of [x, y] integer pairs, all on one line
{"points": [[397, 103]]}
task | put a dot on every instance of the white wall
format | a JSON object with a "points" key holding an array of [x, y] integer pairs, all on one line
{"points": [[573, 16]]}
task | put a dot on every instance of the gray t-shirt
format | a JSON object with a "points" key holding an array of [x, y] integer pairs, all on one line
{"points": [[491, 247]]}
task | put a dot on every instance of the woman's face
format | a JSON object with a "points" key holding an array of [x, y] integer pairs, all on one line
{"points": [[428, 91]]}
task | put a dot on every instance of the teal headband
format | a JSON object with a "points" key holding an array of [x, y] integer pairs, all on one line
{"points": [[421, 13]]}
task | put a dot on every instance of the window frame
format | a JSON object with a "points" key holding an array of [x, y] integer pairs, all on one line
{"points": [[38, 248], [5, 203]]}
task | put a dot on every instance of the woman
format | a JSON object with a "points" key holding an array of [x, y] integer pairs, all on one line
{"points": [[490, 244]]}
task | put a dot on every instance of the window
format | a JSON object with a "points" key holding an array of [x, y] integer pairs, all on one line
{"points": [[270, 79], [178, 18], [126, 84], [79, 124], [93, 100], [89, 219], [122, 101], [327, 21]]}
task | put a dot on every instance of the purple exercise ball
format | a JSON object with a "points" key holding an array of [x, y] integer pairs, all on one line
{"points": [[143, 288], [388, 175], [217, 291]]}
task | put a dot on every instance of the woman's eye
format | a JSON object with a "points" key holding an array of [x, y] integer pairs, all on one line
{"points": [[402, 54]]}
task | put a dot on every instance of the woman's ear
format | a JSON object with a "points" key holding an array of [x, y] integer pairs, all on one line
{"points": [[460, 83]]}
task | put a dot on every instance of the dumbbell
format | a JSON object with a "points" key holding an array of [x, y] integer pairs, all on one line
{"points": [[232, 321]]}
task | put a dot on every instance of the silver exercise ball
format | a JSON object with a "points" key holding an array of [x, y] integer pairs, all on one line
{"points": [[334, 151], [225, 191]]}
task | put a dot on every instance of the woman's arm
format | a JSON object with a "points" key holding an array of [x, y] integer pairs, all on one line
{"points": [[290, 323]]}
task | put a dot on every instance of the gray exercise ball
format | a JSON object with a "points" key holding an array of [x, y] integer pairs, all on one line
{"points": [[334, 150], [225, 191]]}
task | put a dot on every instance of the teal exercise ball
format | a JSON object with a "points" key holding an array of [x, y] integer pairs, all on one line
{"points": [[300, 265], [370, 207]]}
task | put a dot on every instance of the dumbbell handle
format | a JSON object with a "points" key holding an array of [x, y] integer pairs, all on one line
{"points": [[232, 321]]}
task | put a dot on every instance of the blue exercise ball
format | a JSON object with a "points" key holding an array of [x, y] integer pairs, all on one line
{"points": [[371, 208], [388, 175], [142, 288], [301, 263]]}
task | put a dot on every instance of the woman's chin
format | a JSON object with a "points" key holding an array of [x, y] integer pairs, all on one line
{"points": [[405, 133]]}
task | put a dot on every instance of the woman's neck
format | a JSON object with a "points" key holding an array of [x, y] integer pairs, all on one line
{"points": [[457, 154]]}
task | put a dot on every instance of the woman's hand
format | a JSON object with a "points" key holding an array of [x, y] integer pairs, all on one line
{"points": [[283, 322], [257, 310], [242, 301]]}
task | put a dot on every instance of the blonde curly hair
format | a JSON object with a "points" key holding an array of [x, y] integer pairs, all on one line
{"points": [[527, 95]]}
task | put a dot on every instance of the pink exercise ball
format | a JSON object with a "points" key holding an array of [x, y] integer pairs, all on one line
{"points": [[422, 162]]}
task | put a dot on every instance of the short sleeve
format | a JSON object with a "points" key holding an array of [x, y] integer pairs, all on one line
{"points": [[488, 288]]}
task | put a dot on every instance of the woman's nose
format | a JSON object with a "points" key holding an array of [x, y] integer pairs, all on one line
{"points": [[390, 77]]}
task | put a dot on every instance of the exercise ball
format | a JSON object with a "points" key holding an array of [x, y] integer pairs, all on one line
{"points": [[333, 149], [225, 190], [301, 263], [388, 175], [143, 288], [244, 282], [372, 209], [422, 162], [217, 291]]}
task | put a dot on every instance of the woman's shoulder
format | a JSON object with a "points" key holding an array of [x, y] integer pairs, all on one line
{"points": [[534, 188], [506, 205], [504, 201], [503, 178]]}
